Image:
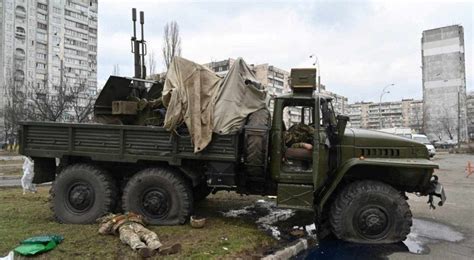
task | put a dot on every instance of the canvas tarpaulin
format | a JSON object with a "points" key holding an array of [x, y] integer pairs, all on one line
{"points": [[208, 103], [188, 94], [236, 100]]}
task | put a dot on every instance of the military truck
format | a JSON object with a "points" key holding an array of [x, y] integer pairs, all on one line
{"points": [[354, 180]]}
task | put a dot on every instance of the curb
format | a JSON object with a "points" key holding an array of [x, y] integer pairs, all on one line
{"points": [[11, 177], [290, 251]]}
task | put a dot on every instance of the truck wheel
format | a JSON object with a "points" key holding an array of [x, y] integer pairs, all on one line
{"points": [[162, 196], [370, 212], [81, 194], [255, 145]]}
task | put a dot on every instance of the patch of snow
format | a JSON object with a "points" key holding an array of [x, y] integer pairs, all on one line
{"points": [[237, 212], [424, 232], [267, 221]]}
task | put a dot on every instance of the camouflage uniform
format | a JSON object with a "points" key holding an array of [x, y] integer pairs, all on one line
{"points": [[131, 229], [299, 133], [301, 145]]}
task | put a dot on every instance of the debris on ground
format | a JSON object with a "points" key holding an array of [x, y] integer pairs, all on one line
{"points": [[197, 222], [268, 214], [38, 244]]}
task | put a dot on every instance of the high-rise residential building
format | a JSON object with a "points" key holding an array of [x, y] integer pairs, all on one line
{"points": [[470, 114], [444, 83], [44, 43], [407, 113]]}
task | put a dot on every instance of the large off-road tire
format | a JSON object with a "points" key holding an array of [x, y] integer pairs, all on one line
{"points": [[161, 195], [81, 194], [255, 144], [370, 212]]}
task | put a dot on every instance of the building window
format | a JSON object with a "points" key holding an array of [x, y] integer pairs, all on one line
{"points": [[42, 6], [42, 26], [42, 16]]}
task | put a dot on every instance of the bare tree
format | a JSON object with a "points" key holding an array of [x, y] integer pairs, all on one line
{"points": [[15, 108], [49, 104], [448, 124], [171, 42], [82, 103], [151, 63]]}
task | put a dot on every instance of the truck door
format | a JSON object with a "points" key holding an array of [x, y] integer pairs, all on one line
{"points": [[293, 152]]}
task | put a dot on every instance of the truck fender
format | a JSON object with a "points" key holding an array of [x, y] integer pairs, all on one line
{"points": [[325, 191]]}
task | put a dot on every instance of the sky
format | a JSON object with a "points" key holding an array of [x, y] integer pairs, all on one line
{"points": [[362, 46]]}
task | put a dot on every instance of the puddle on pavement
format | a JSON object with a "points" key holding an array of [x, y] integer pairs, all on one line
{"points": [[272, 219], [423, 233]]}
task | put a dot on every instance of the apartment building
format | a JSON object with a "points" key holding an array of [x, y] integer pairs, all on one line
{"points": [[407, 113], [444, 83], [44, 43], [470, 114]]}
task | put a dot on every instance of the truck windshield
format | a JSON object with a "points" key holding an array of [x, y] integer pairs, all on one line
{"points": [[422, 139]]}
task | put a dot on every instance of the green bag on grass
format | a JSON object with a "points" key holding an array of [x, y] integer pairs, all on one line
{"points": [[38, 244]]}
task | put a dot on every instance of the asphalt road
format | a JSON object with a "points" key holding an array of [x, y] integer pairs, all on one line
{"points": [[444, 233], [457, 214]]}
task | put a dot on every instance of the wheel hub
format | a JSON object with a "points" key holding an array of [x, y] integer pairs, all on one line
{"points": [[80, 197], [155, 203], [372, 222]]}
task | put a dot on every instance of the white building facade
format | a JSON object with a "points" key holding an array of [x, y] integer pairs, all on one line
{"points": [[44, 41], [444, 83]]}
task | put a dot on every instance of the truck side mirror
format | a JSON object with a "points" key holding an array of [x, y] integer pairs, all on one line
{"points": [[341, 126]]}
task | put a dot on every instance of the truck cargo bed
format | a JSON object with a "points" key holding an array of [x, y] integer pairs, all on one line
{"points": [[124, 143]]}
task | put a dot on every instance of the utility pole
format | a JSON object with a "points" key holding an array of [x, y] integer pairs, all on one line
{"points": [[317, 77], [459, 118], [384, 91]]}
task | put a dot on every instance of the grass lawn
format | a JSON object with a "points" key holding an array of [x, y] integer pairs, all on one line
{"points": [[23, 216]]}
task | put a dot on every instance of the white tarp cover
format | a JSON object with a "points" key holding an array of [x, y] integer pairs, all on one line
{"points": [[206, 102]]}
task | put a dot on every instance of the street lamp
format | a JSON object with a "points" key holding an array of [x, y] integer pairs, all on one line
{"points": [[384, 91], [318, 71]]}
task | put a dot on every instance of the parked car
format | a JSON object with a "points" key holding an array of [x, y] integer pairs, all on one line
{"points": [[424, 140], [445, 144]]}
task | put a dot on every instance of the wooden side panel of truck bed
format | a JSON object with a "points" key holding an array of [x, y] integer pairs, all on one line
{"points": [[121, 143]]}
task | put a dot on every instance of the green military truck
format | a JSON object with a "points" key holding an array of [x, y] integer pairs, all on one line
{"points": [[354, 180]]}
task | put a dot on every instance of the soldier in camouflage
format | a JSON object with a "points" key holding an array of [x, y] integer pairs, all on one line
{"points": [[130, 227], [299, 136]]}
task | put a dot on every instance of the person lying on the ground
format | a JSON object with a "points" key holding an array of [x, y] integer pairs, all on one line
{"points": [[131, 229]]}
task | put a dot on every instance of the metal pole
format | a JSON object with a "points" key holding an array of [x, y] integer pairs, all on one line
{"points": [[143, 53], [136, 46], [459, 119], [384, 91], [61, 74]]}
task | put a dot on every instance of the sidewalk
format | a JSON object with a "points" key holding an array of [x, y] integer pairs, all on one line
{"points": [[10, 177]]}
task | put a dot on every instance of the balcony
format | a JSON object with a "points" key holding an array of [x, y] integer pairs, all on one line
{"points": [[19, 54], [20, 12], [20, 33], [19, 75]]}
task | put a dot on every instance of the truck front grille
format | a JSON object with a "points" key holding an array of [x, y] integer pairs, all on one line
{"points": [[380, 152]]}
